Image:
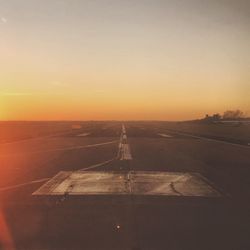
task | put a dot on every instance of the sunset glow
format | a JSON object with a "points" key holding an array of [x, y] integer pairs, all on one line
{"points": [[143, 60]]}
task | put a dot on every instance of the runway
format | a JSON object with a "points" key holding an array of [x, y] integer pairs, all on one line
{"points": [[138, 152]]}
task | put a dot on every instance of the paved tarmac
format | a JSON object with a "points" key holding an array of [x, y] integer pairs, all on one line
{"points": [[137, 220]]}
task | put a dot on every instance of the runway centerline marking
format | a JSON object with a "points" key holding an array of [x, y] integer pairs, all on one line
{"points": [[124, 152]]}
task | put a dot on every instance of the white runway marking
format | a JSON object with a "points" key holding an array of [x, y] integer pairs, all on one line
{"points": [[101, 144], [98, 165], [123, 129], [24, 184], [210, 139], [165, 135], [133, 182], [124, 152], [83, 134], [62, 149], [38, 138]]}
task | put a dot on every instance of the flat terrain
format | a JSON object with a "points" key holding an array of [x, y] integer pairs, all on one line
{"points": [[218, 153]]}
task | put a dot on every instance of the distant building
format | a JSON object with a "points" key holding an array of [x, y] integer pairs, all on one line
{"points": [[214, 118]]}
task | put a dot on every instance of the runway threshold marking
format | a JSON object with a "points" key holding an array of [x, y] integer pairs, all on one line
{"points": [[124, 152]]}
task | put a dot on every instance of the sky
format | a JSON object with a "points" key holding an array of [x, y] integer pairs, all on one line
{"points": [[123, 60]]}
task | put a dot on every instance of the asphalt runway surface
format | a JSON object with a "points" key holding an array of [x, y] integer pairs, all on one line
{"points": [[132, 221]]}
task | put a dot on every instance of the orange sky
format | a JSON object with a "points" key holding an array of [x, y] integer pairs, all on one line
{"points": [[100, 60]]}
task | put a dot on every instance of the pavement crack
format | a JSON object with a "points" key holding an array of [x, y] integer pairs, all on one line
{"points": [[172, 185]]}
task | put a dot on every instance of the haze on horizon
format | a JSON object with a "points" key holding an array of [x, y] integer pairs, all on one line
{"points": [[114, 59]]}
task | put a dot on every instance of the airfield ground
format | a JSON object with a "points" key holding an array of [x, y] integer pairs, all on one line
{"points": [[36, 152]]}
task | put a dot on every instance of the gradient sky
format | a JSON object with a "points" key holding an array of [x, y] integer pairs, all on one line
{"points": [[132, 59]]}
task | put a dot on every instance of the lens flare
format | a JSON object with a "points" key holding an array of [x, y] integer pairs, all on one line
{"points": [[6, 242]]}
